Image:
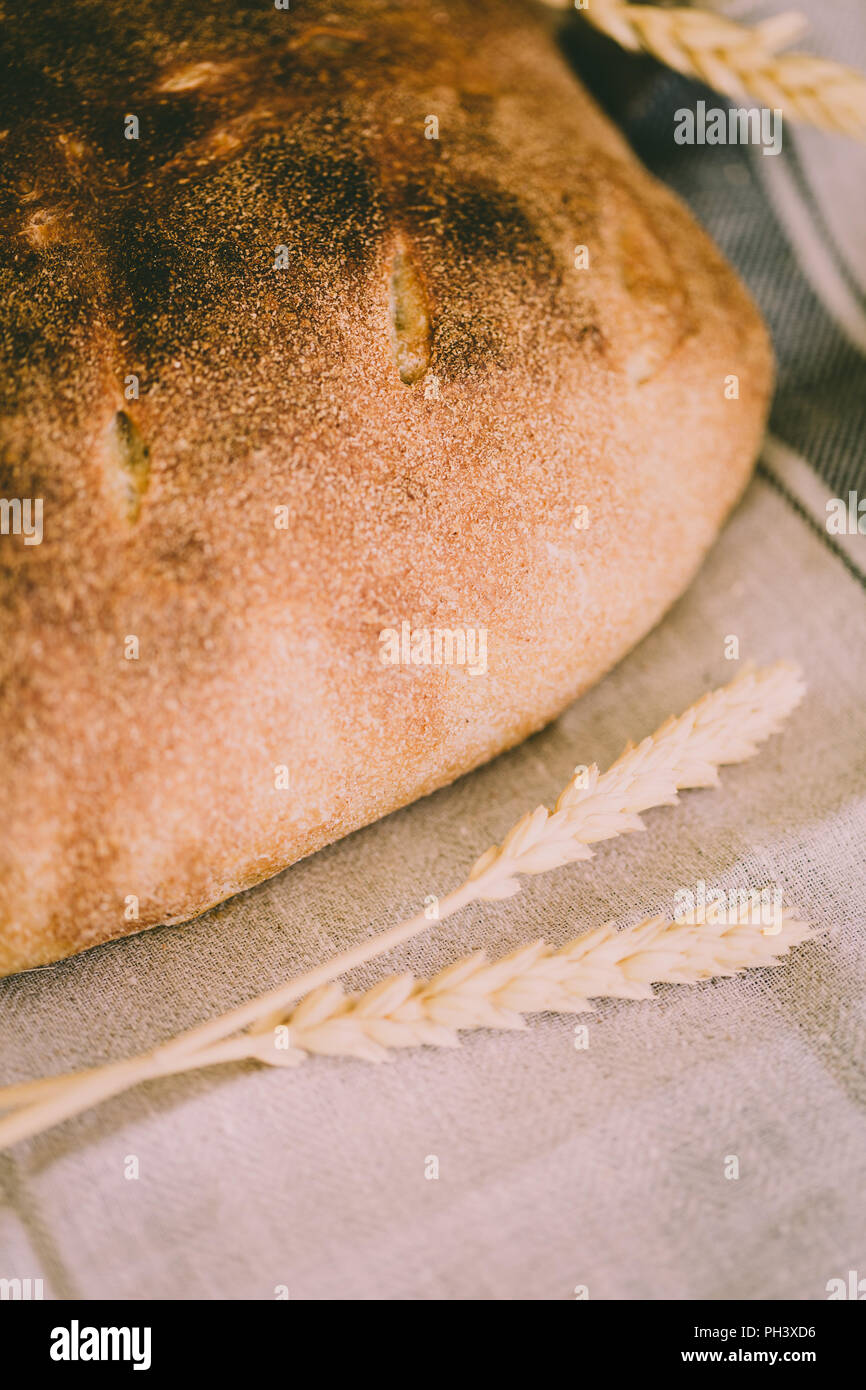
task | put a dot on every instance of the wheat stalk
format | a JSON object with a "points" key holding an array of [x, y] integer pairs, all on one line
{"points": [[725, 726], [476, 993], [738, 59]]}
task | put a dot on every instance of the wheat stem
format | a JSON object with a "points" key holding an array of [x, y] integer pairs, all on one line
{"points": [[738, 60], [474, 993], [725, 726]]}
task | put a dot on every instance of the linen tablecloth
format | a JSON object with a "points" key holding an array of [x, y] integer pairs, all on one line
{"points": [[559, 1167]]}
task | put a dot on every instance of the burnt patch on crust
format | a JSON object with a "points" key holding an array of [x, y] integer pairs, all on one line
{"points": [[149, 263], [485, 221], [492, 275], [330, 199], [186, 280], [47, 317]]}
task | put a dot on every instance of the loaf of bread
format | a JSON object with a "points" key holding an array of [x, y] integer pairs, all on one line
{"points": [[363, 401]]}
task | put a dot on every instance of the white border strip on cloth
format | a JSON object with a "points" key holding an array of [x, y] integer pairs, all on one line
{"points": [[803, 483], [810, 248]]}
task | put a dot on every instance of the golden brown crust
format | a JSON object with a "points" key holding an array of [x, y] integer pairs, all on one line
{"points": [[430, 387]]}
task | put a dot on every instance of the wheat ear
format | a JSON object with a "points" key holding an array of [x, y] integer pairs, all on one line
{"points": [[725, 726], [738, 60], [475, 993]]}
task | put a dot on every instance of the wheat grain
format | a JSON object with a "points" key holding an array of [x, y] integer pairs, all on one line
{"points": [[738, 60], [725, 726]]}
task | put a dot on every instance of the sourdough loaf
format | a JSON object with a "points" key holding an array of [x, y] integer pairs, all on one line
{"points": [[311, 388]]}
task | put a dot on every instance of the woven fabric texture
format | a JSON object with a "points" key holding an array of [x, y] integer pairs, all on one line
{"points": [[559, 1167]]}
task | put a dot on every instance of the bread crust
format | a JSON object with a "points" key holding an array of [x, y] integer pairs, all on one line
{"points": [[430, 388]]}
